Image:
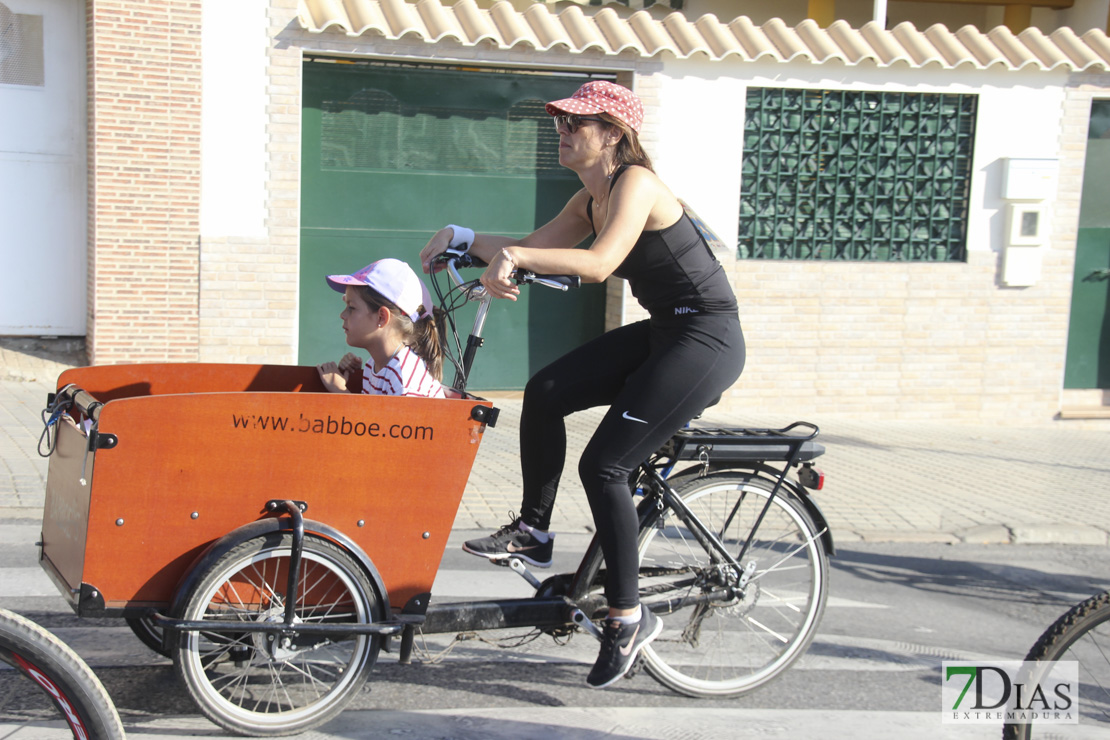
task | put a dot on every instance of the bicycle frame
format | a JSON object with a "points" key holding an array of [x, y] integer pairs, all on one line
{"points": [[553, 607]]}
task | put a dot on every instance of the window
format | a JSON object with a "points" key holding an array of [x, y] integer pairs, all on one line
{"points": [[847, 175], [21, 49]]}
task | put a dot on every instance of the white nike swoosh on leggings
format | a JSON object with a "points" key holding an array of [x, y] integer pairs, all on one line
{"points": [[626, 415]]}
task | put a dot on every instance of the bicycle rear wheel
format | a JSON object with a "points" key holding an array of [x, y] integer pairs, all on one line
{"points": [[719, 638], [65, 679], [1082, 634]]}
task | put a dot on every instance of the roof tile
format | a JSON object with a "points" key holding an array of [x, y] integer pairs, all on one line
{"points": [[605, 32], [1079, 54]]}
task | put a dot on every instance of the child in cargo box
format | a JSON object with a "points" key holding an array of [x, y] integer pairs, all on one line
{"points": [[387, 314]]}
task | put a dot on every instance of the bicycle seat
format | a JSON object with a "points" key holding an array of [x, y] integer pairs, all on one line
{"points": [[712, 403]]}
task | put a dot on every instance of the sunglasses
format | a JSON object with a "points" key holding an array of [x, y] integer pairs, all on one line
{"points": [[573, 122]]}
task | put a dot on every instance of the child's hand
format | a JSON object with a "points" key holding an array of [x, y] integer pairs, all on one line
{"points": [[331, 377], [351, 368], [350, 364]]}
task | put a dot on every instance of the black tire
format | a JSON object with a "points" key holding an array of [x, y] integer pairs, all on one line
{"points": [[64, 678], [148, 634], [729, 646], [252, 685], [1081, 634]]}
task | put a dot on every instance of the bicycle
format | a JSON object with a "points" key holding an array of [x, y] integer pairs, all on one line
{"points": [[62, 677], [1081, 634], [274, 620], [680, 555]]}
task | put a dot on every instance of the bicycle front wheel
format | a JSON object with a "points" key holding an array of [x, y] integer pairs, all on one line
{"points": [[721, 636], [1082, 634], [62, 676], [268, 683], [149, 634]]}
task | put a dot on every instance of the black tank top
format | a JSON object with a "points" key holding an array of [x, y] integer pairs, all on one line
{"points": [[672, 271]]}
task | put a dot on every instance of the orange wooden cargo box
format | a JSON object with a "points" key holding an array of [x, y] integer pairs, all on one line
{"points": [[185, 454]]}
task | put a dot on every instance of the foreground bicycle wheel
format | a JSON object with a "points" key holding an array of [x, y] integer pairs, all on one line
{"points": [[264, 684], [732, 640], [64, 678], [1082, 634]]}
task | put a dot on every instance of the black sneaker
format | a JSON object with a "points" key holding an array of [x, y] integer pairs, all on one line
{"points": [[620, 644], [511, 542]]}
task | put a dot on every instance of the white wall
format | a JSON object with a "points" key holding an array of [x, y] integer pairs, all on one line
{"points": [[1019, 121], [700, 147], [43, 180], [701, 120], [233, 119]]}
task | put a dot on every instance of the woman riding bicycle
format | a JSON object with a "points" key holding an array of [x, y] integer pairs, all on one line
{"points": [[655, 375]]}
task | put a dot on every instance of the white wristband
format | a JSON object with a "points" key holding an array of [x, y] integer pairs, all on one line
{"points": [[462, 237]]}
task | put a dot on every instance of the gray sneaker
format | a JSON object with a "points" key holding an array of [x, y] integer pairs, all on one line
{"points": [[512, 542], [620, 644]]}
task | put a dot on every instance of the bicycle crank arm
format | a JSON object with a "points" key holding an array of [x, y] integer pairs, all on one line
{"points": [[579, 618], [522, 570]]}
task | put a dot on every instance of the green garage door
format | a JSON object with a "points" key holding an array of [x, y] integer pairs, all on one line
{"points": [[1088, 358], [392, 153]]}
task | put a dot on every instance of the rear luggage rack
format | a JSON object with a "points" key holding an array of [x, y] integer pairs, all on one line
{"points": [[746, 445]]}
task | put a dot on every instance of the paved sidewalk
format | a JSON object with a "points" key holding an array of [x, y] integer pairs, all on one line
{"points": [[885, 481]]}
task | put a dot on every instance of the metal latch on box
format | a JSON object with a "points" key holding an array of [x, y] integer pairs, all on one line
{"points": [[485, 415]]}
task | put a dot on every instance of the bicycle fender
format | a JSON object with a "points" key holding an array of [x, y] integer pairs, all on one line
{"points": [[800, 492], [261, 528], [818, 518]]}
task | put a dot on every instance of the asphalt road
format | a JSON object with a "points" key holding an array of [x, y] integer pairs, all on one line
{"points": [[895, 612]]}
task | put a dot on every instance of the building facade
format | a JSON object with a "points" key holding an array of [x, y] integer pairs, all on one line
{"points": [[901, 208]]}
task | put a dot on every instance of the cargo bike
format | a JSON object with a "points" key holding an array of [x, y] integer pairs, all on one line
{"points": [[273, 538]]}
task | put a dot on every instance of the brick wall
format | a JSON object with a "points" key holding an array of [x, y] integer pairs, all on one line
{"points": [[910, 341], [144, 179]]}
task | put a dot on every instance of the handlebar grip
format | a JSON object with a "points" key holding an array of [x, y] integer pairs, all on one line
{"points": [[571, 281], [455, 259], [561, 282]]}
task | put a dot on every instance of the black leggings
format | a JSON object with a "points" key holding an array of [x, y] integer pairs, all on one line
{"points": [[655, 375]]}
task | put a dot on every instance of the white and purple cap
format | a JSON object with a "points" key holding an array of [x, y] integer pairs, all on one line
{"points": [[394, 281]]}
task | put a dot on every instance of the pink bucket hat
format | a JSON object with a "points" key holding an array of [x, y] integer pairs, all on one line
{"points": [[393, 280], [601, 96]]}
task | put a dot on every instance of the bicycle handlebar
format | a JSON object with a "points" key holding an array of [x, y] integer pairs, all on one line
{"points": [[473, 290], [85, 403], [454, 260]]}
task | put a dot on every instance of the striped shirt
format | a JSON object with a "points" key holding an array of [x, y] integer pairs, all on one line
{"points": [[404, 375]]}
